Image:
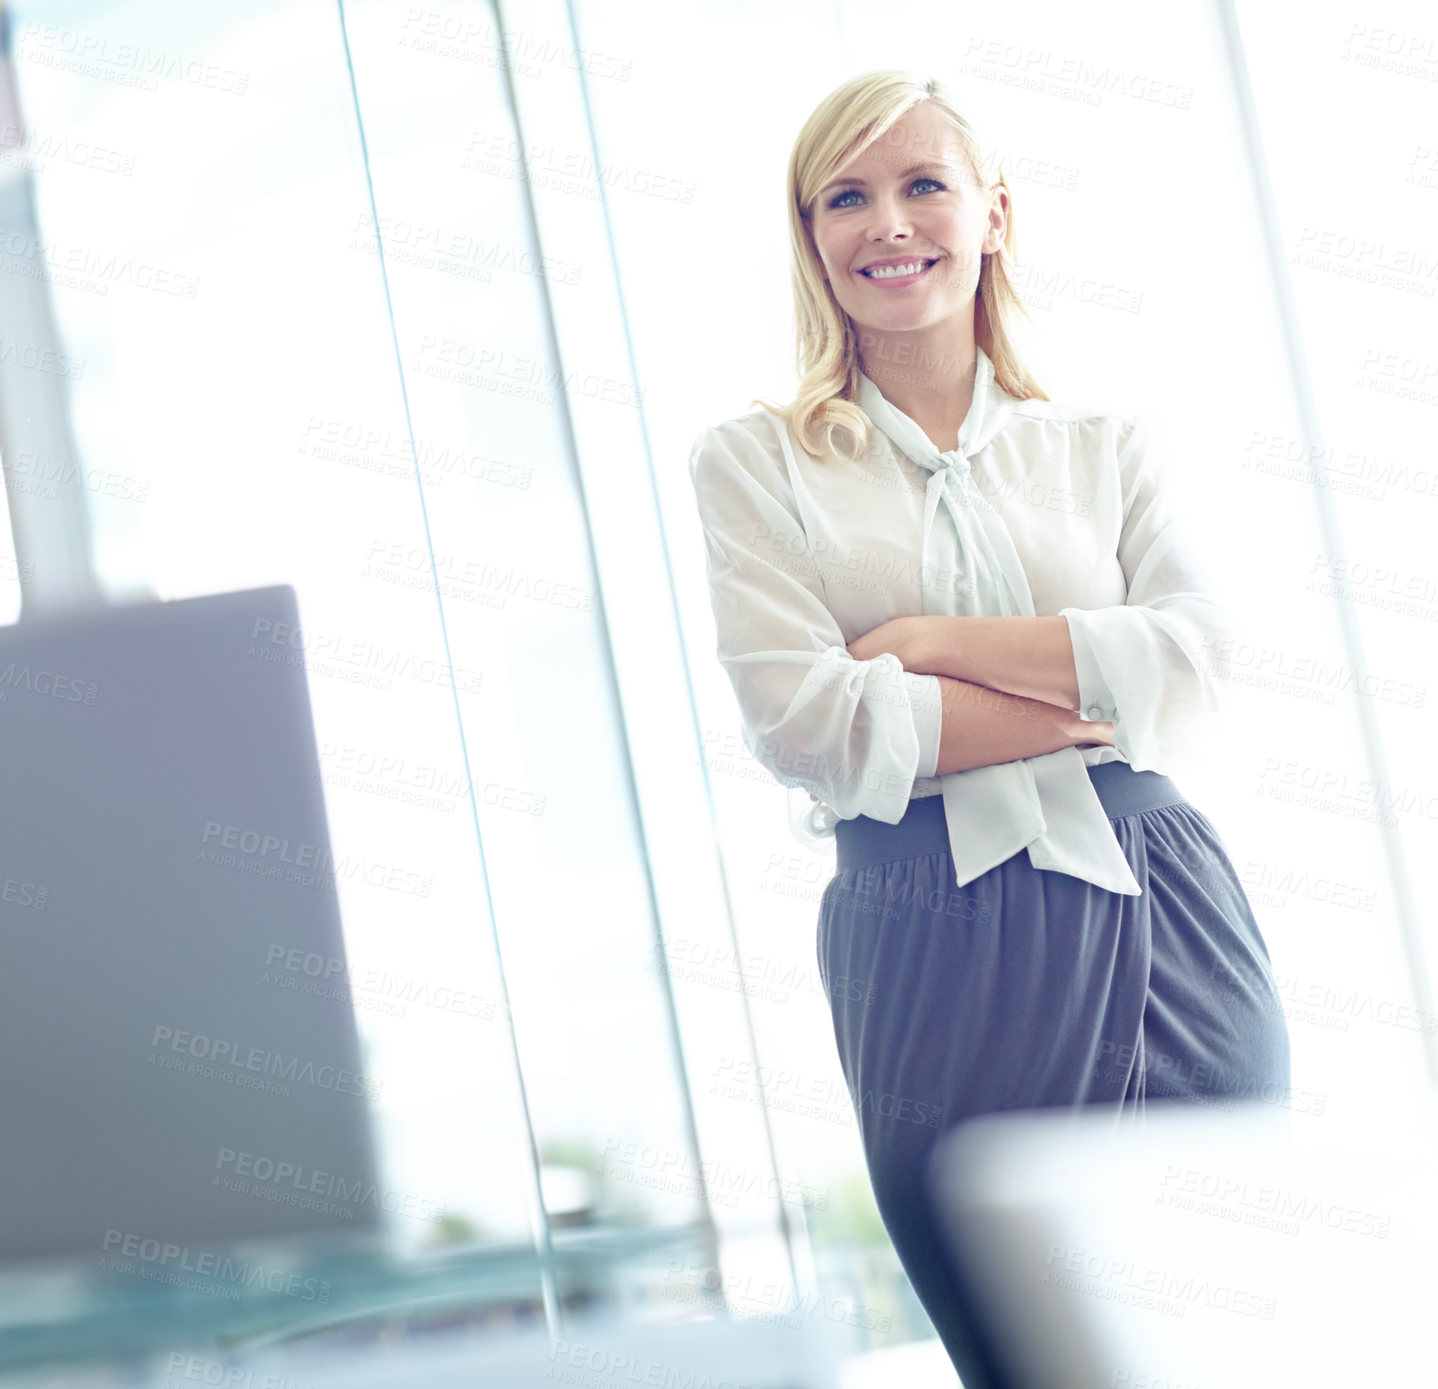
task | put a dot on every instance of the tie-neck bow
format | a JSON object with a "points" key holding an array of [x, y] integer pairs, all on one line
{"points": [[993, 563]]}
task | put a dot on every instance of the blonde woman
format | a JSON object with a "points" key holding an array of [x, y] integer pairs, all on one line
{"points": [[963, 624]]}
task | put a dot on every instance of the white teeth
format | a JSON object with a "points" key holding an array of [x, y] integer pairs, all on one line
{"points": [[888, 272]]}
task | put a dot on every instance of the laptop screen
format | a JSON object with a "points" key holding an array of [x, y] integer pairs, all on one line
{"points": [[178, 1055]]}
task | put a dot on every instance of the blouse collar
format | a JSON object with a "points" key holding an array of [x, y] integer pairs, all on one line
{"points": [[988, 410]]}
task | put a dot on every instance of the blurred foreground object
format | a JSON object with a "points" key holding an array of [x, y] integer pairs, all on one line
{"points": [[1235, 1248]]}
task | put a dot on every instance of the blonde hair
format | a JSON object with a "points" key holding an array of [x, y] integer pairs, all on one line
{"points": [[851, 118]]}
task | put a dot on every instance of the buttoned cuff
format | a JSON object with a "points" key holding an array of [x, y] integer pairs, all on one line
{"points": [[927, 705], [1096, 699]]}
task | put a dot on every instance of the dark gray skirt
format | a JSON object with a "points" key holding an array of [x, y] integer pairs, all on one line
{"points": [[1030, 989]]}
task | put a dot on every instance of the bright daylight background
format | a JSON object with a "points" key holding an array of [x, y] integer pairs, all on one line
{"points": [[489, 470]]}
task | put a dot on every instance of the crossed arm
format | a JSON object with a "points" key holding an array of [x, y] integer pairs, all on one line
{"points": [[1008, 685], [1028, 656]]}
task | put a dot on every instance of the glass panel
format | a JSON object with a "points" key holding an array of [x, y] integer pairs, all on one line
{"points": [[509, 539], [1328, 836], [333, 366]]}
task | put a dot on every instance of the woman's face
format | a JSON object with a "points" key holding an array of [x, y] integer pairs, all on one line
{"points": [[910, 198]]}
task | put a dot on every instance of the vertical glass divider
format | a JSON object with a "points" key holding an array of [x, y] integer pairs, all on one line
{"points": [[1235, 63], [636, 599], [538, 1214]]}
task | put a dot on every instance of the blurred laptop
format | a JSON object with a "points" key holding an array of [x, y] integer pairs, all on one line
{"points": [[180, 1057], [1202, 1248]]}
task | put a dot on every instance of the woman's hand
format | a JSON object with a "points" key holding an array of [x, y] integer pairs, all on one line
{"points": [[902, 636]]}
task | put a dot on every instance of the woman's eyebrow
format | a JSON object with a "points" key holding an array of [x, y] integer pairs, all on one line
{"points": [[912, 169]]}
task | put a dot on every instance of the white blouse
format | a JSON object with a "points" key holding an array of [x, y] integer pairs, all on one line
{"points": [[1040, 509]]}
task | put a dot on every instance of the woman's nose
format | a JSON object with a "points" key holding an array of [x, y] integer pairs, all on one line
{"points": [[888, 217]]}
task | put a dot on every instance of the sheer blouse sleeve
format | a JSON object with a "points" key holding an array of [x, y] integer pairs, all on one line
{"points": [[854, 734], [1146, 664]]}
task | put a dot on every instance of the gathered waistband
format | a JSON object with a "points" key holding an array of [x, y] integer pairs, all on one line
{"points": [[863, 841]]}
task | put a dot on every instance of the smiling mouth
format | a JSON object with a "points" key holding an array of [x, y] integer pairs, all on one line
{"points": [[909, 270]]}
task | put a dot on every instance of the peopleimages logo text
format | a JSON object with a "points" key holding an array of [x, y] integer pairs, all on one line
{"points": [[164, 1261], [219, 1052]]}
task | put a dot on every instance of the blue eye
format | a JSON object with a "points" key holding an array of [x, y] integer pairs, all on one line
{"points": [[838, 199]]}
